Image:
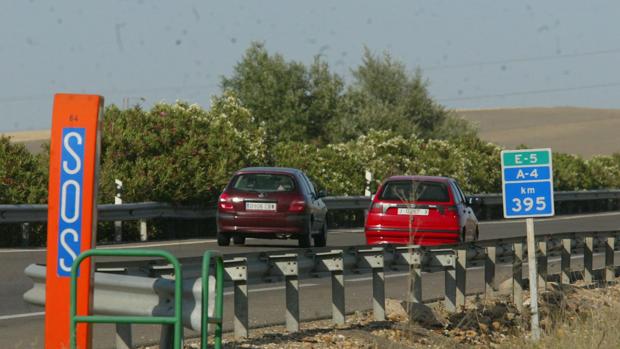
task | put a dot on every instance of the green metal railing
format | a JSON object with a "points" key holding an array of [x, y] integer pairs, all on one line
{"points": [[175, 320], [219, 299]]}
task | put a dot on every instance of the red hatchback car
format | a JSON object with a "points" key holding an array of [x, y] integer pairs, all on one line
{"points": [[420, 210], [271, 203]]}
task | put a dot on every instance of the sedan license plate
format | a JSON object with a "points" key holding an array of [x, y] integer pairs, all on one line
{"points": [[260, 206], [413, 211]]}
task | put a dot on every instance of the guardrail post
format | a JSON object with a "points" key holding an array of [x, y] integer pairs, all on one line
{"points": [[287, 265], [461, 275], [373, 258], [26, 234], [517, 275], [413, 256], [588, 260], [143, 230], [450, 287], [542, 264], [332, 262], [610, 268], [565, 261], [166, 337], [489, 270], [237, 270], [123, 336]]}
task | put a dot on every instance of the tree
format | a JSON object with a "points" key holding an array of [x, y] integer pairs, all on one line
{"points": [[293, 101], [384, 96]]}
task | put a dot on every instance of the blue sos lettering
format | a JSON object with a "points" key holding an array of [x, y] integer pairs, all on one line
{"points": [[71, 181]]}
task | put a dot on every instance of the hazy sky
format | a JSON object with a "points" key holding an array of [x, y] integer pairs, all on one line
{"points": [[475, 54]]}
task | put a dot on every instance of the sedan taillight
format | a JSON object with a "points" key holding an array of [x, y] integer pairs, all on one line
{"points": [[297, 206], [225, 202]]}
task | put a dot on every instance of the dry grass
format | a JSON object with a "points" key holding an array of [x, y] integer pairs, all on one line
{"points": [[571, 317], [576, 319]]}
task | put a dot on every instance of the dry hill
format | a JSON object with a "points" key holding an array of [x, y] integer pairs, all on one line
{"points": [[583, 131]]}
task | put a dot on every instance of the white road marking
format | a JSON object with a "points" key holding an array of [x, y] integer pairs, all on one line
{"points": [[18, 316], [172, 243]]}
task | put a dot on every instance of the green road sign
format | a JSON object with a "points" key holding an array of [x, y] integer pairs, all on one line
{"points": [[525, 157]]}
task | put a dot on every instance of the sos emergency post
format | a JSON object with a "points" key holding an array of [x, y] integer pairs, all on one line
{"points": [[72, 220]]}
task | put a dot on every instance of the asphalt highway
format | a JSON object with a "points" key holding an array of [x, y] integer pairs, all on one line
{"points": [[21, 324]]}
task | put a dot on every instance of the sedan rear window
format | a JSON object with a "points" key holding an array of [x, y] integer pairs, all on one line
{"points": [[263, 182], [415, 191]]}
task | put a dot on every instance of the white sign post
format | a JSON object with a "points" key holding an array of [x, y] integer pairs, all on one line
{"points": [[527, 188]]}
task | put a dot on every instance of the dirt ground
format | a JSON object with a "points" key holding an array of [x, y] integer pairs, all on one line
{"points": [[570, 316]]}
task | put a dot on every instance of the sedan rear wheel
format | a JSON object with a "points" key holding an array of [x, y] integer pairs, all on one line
{"points": [[223, 239], [320, 240], [304, 238], [239, 240]]}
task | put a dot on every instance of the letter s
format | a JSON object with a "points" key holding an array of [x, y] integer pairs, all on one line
{"points": [[66, 247], [76, 158]]}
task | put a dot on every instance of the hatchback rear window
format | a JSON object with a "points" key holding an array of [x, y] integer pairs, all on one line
{"points": [[263, 182], [415, 191]]}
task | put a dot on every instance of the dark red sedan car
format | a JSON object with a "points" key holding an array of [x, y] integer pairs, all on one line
{"points": [[271, 203], [420, 210]]}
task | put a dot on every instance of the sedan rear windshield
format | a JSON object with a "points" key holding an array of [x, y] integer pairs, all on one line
{"points": [[263, 182], [415, 191]]}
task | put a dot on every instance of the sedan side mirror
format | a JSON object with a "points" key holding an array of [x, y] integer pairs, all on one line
{"points": [[474, 201]]}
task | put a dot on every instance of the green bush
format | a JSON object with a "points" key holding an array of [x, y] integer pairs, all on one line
{"points": [[177, 153]]}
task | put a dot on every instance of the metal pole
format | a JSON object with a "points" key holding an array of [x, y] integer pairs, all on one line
{"points": [[531, 261], [450, 289], [292, 303], [610, 269], [542, 265], [517, 275], [461, 277], [565, 261], [26, 234], [143, 230], [123, 336], [338, 297], [588, 259], [489, 270]]}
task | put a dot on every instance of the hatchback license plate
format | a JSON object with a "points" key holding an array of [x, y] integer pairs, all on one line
{"points": [[413, 211], [260, 206]]}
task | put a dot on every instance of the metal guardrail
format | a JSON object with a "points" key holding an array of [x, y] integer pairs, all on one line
{"points": [[295, 265], [109, 212], [138, 295], [150, 210]]}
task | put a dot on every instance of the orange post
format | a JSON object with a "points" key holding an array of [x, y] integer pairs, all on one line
{"points": [[72, 212]]}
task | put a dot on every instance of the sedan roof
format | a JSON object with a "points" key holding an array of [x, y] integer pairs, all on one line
{"points": [[269, 170], [420, 178]]}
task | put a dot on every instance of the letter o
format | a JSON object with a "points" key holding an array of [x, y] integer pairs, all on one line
{"points": [[63, 201]]}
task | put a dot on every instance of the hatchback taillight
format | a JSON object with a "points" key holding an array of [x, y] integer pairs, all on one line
{"points": [[297, 205], [225, 202]]}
